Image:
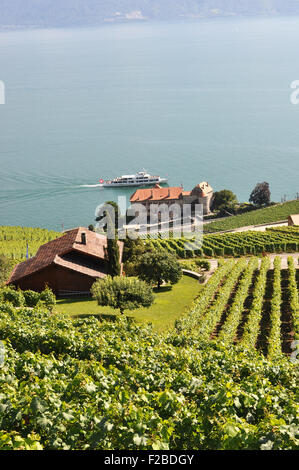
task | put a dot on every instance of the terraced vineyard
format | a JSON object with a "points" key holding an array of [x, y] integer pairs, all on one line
{"points": [[250, 305], [13, 241], [269, 214], [284, 229], [233, 244]]}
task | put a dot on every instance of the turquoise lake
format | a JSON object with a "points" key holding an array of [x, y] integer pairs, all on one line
{"points": [[199, 101]]}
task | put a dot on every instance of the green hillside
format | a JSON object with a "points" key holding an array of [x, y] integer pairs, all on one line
{"points": [[260, 216], [216, 372], [13, 241], [84, 384], [232, 244]]}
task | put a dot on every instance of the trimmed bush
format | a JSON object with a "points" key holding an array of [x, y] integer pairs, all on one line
{"points": [[203, 264], [14, 297], [48, 299], [31, 298]]}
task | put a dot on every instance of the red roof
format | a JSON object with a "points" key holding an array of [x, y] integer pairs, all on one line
{"points": [[157, 194], [52, 252]]}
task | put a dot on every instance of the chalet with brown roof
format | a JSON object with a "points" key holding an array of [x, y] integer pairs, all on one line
{"points": [[68, 265], [201, 194], [293, 220]]}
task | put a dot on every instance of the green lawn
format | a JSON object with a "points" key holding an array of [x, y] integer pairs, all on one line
{"points": [[170, 303], [259, 216]]}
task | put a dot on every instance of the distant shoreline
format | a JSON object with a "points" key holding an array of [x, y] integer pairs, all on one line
{"points": [[148, 21]]}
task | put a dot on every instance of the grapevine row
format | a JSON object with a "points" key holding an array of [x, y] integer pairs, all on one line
{"points": [[274, 341], [228, 332], [293, 295], [206, 296], [213, 315], [252, 327], [232, 244]]}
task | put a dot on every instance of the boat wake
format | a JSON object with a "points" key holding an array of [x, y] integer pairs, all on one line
{"points": [[90, 186]]}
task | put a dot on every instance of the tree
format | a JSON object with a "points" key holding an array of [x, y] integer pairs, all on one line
{"points": [[158, 266], [122, 293], [109, 208], [113, 257], [223, 200], [48, 298], [261, 194], [112, 249], [133, 250]]}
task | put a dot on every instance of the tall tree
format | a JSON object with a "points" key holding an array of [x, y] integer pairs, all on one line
{"points": [[158, 266], [112, 248], [261, 194], [133, 250], [111, 208]]}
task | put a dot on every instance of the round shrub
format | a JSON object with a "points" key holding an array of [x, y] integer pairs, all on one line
{"points": [[203, 264], [31, 298], [15, 297]]}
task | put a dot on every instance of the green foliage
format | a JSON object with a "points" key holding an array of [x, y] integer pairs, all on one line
{"points": [[88, 385], [14, 441], [133, 249], [234, 315], [274, 348], [207, 323], [5, 269], [113, 257], [48, 299], [270, 214], [252, 327], [203, 264], [223, 200], [158, 266], [28, 298], [293, 295], [261, 194], [13, 296], [13, 241], [111, 212], [122, 293], [31, 298], [230, 308], [196, 265], [234, 244], [112, 252]]}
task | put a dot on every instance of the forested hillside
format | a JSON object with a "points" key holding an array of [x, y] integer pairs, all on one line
{"points": [[84, 12]]}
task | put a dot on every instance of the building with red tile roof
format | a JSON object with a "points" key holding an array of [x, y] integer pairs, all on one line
{"points": [[200, 194], [69, 264]]}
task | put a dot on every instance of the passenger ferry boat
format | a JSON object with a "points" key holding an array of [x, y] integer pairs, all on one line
{"points": [[140, 179]]}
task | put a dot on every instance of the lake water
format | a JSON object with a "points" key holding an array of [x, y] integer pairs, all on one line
{"points": [[208, 100]]}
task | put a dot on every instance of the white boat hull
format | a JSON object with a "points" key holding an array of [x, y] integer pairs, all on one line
{"points": [[123, 185]]}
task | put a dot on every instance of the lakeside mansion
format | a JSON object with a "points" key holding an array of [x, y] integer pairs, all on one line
{"points": [[159, 196]]}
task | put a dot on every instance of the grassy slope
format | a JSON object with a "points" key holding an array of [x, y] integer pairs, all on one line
{"points": [[169, 305], [260, 216]]}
